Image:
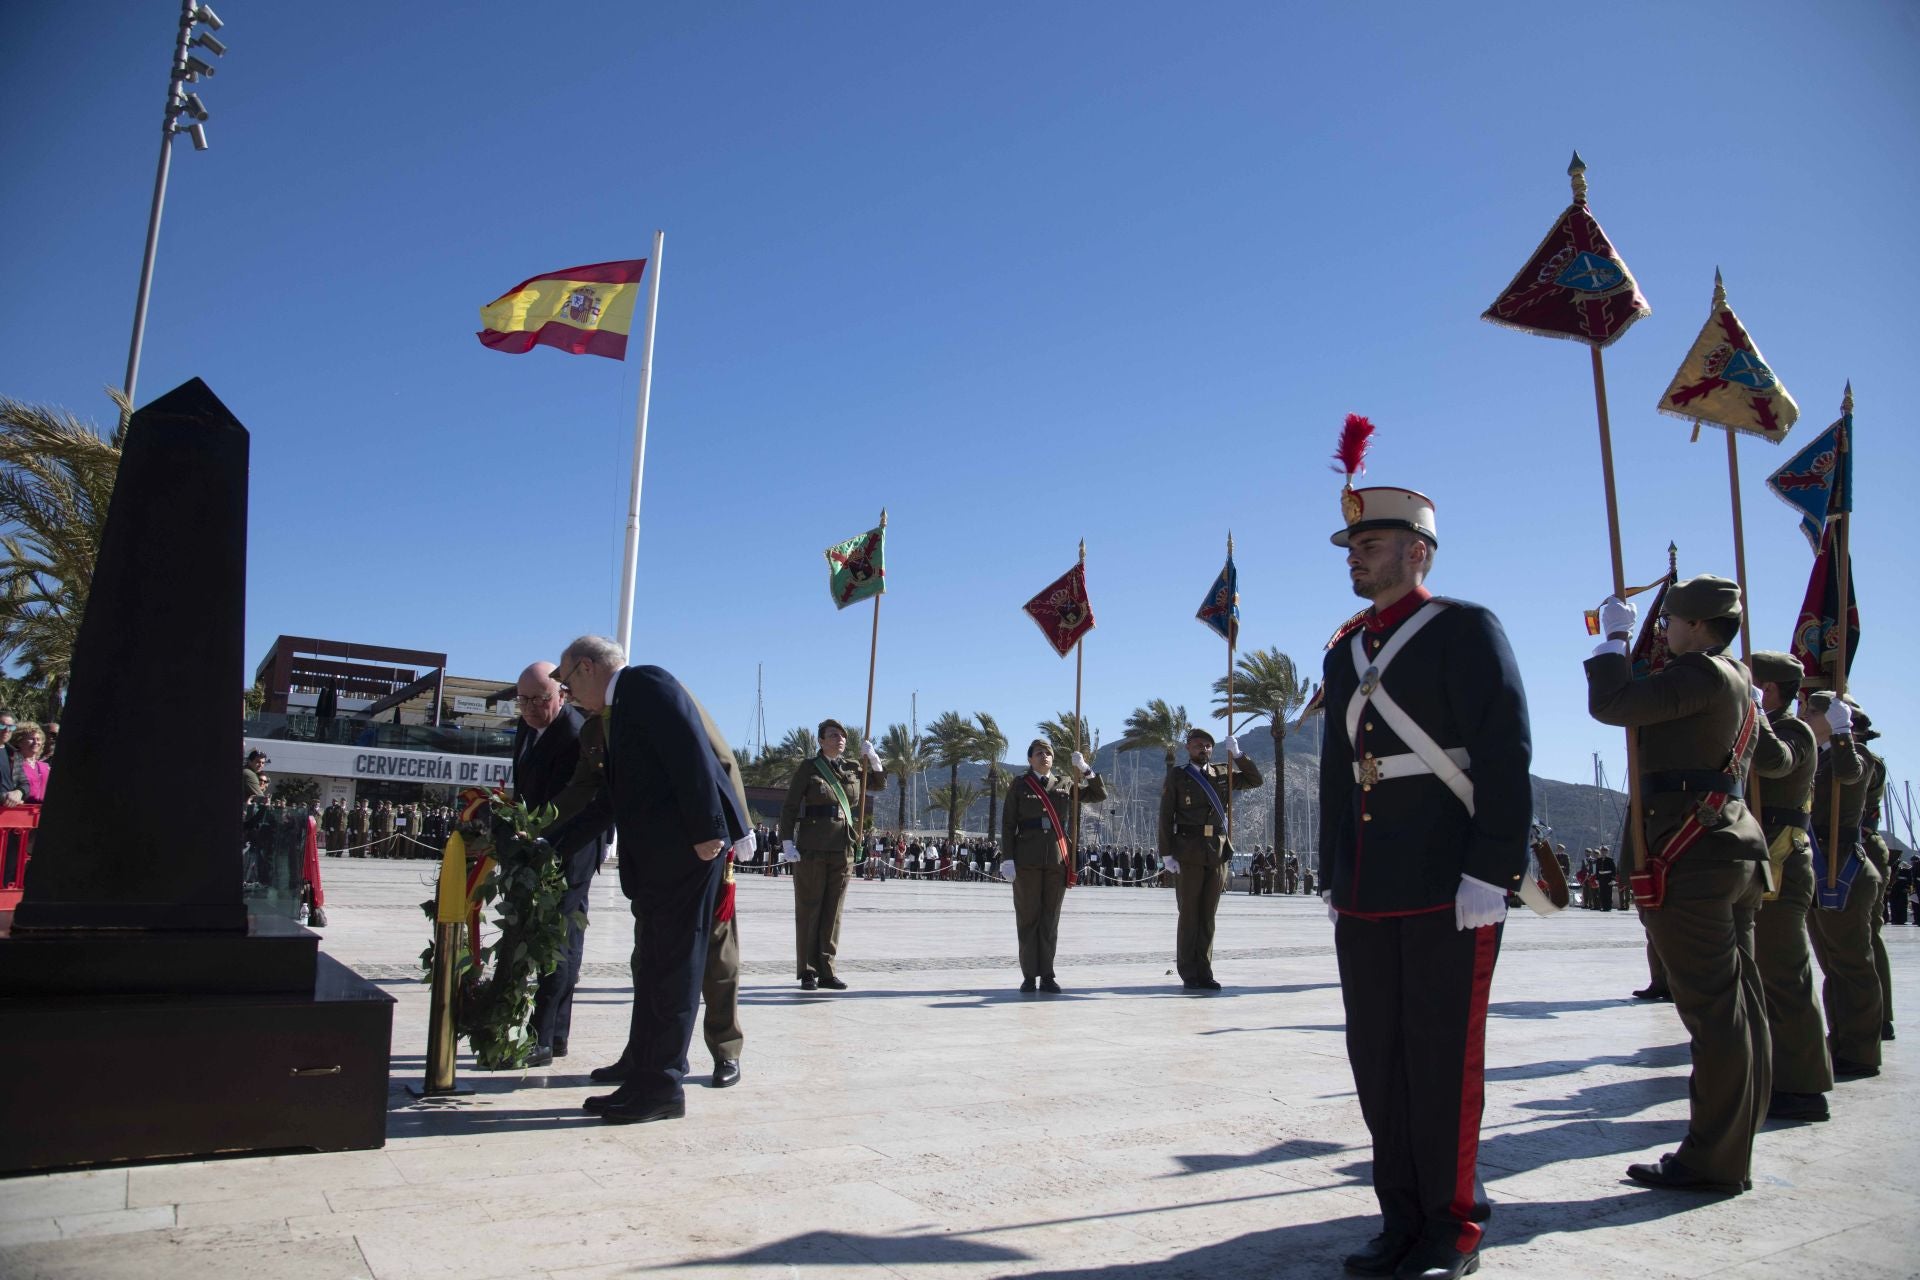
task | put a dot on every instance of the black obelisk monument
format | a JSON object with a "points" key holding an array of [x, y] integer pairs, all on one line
{"points": [[149, 1014]]}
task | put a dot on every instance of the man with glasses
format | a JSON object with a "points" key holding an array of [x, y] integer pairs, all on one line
{"points": [[677, 808], [546, 751]]}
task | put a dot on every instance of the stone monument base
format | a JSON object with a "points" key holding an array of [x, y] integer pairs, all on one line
{"points": [[206, 1044]]}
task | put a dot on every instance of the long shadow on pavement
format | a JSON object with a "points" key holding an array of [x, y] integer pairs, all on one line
{"points": [[1661, 1055]]}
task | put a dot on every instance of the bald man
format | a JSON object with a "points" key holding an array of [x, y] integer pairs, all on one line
{"points": [[546, 747]]}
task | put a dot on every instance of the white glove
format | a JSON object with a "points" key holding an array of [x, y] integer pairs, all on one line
{"points": [[788, 853], [1006, 869], [1478, 904], [1326, 896], [871, 756], [1233, 748], [1080, 763], [1839, 718], [1616, 617], [1170, 864], [1759, 697]]}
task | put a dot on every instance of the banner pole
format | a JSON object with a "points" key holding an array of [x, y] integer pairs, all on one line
{"points": [[1755, 801], [1842, 567], [630, 557], [1079, 667], [873, 659], [1636, 833], [1232, 635]]}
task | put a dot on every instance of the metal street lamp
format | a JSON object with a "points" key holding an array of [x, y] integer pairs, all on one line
{"points": [[187, 69]]}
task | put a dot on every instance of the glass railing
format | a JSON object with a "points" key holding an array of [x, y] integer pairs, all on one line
{"points": [[346, 732]]}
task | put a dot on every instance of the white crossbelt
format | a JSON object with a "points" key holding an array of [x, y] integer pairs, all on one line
{"points": [[1426, 756]]}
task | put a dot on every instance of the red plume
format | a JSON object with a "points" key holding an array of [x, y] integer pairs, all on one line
{"points": [[1355, 436]]}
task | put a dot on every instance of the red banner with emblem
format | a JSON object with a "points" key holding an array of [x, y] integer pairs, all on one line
{"points": [[1062, 611], [1574, 286]]}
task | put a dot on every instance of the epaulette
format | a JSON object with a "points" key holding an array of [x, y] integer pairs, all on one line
{"points": [[1346, 629]]}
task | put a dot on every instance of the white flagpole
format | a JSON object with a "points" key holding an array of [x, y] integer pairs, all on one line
{"points": [[630, 562]]}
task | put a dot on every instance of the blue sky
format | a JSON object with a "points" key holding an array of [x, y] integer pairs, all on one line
{"points": [[1020, 273]]}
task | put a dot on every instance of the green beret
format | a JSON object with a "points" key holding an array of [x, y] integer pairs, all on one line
{"points": [[1038, 744], [1704, 597], [1770, 666], [832, 724], [1198, 732]]}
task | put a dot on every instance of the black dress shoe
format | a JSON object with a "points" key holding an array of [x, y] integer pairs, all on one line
{"points": [[1437, 1262], [609, 1075], [1670, 1175], [1029, 986], [559, 1046], [1797, 1106], [639, 1112], [832, 983], [726, 1073], [542, 1056], [1848, 1069], [1049, 986], [1654, 993], [1383, 1253], [1886, 1028], [807, 982], [1211, 984]]}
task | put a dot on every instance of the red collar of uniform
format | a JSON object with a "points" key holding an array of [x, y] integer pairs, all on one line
{"points": [[1397, 612]]}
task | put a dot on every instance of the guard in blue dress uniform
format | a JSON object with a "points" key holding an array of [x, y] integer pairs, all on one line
{"points": [[1427, 809]]}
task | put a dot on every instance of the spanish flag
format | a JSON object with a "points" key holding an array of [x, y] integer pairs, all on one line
{"points": [[583, 310]]}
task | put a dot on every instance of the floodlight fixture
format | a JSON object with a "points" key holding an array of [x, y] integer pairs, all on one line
{"points": [[194, 68], [199, 133], [195, 108], [216, 47], [206, 18]]}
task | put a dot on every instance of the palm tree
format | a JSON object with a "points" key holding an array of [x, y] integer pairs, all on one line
{"points": [[954, 801], [990, 748], [1267, 683], [952, 738], [905, 757], [1155, 725], [56, 480], [1061, 734]]}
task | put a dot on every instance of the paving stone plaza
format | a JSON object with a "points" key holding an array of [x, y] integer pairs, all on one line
{"points": [[932, 1122]]}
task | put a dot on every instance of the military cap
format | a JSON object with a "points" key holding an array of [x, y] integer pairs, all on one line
{"points": [[832, 724], [1198, 732], [1770, 666], [1386, 507], [1038, 744], [1704, 597]]}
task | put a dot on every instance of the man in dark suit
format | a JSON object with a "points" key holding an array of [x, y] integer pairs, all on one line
{"points": [[676, 813], [546, 749]]}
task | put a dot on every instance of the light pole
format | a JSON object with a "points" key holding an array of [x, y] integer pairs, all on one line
{"points": [[187, 69]]}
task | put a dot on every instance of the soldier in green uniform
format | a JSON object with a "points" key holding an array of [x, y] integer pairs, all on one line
{"points": [[334, 824], [1193, 835], [819, 830], [1841, 924], [1035, 825], [1875, 846], [1802, 1075], [357, 821], [1705, 866], [383, 830]]}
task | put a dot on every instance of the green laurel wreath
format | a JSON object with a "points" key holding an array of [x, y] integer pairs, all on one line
{"points": [[526, 888]]}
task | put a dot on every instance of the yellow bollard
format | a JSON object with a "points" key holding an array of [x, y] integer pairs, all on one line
{"points": [[450, 913]]}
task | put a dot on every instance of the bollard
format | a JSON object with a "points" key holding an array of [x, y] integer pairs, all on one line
{"points": [[450, 913]]}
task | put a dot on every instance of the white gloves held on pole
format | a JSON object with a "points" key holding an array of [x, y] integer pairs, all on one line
{"points": [[1477, 904], [1233, 748], [1617, 618], [1080, 763], [1839, 718], [1006, 869], [872, 757], [788, 853]]}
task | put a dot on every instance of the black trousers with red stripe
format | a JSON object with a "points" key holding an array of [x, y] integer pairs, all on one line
{"points": [[1416, 989]]}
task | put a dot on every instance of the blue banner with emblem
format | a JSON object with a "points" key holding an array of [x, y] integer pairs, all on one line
{"points": [[1220, 611], [1818, 481]]}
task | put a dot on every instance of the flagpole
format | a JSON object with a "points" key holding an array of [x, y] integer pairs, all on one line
{"points": [[1843, 567], [1079, 667], [873, 659], [1755, 800], [630, 559], [1636, 834], [1231, 637]]}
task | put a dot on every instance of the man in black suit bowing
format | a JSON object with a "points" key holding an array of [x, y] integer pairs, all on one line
{"points": [[676, 814], [546, 750]]}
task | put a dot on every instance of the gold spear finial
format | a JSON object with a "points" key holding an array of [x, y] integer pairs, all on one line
{"points": [[883, 517], [1673, 559], [1577, 170], [1229, 544], [1083, 551], [1846, 400], [1719, 289]]}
